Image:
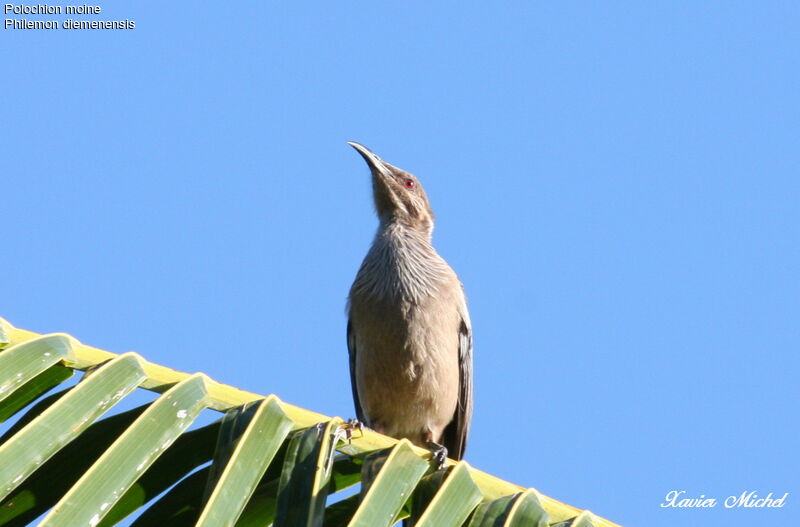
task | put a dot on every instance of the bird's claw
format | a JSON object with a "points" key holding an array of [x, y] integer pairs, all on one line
{"points": [[350, 425], [438, 453]]}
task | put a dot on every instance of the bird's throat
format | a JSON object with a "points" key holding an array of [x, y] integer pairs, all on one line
{"points": [[401, 264]]}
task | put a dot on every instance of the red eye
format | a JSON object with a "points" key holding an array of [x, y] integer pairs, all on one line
{"points": [[409, 183]]}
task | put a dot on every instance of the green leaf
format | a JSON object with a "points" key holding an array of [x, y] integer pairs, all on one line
{"points": [[179, 507], [527, 511], [232, 426], [65, 419], [304, 482], [23, 362], [584, 519], [456, 498], [32, 413], [254, 451], [346, 473], [340, 513], [523, 509], [260, 510], [3, 334], [107, 480], [44, 487], [188, 452], [426, 489], [56, 463], [386, 494], [492, 513], [22, 396]]}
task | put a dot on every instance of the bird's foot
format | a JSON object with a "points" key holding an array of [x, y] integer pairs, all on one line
{"points": [[350, 425], [439, 453]]}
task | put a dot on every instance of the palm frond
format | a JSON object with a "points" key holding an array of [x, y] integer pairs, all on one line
{"points": [[265, 462]]}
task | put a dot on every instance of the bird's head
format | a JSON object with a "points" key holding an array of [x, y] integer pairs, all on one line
{"points": [[399, 196]]}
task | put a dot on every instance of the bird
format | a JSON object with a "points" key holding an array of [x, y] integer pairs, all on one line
{"points": [[409, 334]]}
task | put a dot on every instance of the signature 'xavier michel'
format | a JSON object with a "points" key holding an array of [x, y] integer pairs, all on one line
{"points": [[408, 332]]}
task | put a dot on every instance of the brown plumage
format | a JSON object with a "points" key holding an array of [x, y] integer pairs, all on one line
{"points": [[408, 332]]}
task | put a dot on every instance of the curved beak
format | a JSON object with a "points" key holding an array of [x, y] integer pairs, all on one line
{"points": [[375, 163]]}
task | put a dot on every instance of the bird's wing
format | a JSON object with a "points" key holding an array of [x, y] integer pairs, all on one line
{"points": [[455, 435], [351, 348]]}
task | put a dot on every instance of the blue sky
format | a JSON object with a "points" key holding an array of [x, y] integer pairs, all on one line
{"points": [[617, 188]]}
